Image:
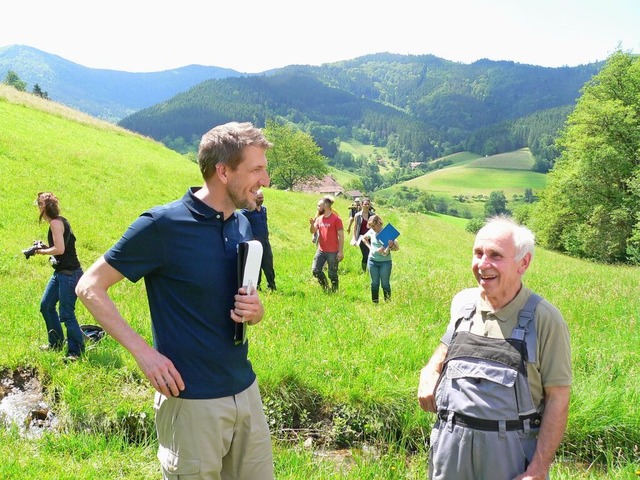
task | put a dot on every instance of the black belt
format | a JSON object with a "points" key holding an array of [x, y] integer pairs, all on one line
{"points": [[67, 272], [491, 425]]}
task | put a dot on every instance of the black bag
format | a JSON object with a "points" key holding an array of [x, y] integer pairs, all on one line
{"points": [[92, 333]]}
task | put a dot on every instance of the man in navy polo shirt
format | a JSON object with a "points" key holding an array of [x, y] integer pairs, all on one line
{"points": [[209, 417]]}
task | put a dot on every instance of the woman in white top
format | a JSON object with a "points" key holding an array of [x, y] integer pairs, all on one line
{"points": [[379, 259]]}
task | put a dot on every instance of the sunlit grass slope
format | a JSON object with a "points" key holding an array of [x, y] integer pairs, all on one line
{"points": [[509, 172], [468, 181], [319, 357], [517, 160], [342, 177], [456, 158], [372, 153]]}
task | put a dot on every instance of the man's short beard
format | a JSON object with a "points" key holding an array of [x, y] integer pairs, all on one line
{"points": [[241, 202]]}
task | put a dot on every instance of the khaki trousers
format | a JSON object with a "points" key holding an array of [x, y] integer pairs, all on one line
{"points": [[219, 439]]}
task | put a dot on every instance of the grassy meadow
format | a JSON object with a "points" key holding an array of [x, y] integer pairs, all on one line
{"points": [[338, 374], [370, 152], [341, 176], [470, 179]]}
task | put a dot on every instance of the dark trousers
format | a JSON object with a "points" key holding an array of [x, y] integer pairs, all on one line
{"points": [[331, 259], [364, 249], [267, 265]]}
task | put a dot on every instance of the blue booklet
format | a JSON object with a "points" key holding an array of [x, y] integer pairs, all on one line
{"points": [[389, 232]]}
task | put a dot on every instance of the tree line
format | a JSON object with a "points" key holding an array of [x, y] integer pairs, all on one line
{"points": [[590, 207], [417, 107], [12, 79]]}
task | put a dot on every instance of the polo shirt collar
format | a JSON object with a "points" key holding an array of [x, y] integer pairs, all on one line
{"points": [[510, 309], [198, 207]]}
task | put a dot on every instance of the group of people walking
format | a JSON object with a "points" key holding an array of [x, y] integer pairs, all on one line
{"points": [[328, 229], [498, 382]]}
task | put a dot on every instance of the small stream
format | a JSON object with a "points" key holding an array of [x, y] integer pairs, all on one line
{"points": [[22, 404]]}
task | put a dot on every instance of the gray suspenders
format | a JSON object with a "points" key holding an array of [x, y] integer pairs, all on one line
{"points": [[526, 329]]}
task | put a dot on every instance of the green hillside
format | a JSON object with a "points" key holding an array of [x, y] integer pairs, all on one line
{"points": [[418, 106], [456, 158], [470, 179], [517, 160], [341, 176], [335, 369], [509, 172]]}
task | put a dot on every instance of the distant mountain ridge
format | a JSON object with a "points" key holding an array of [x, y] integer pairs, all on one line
{"points": [[107, 94], [419, 107]]}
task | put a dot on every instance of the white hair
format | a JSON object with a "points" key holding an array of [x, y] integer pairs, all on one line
{"points": [[523, 238]]}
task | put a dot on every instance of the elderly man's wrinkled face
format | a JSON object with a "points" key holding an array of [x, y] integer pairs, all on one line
{"points": [[495, 267]]}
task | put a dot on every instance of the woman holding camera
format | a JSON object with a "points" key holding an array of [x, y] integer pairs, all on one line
{"points": [[62, 284]]}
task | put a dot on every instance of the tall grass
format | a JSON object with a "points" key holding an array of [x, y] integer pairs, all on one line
{"points": [[336, 371]]}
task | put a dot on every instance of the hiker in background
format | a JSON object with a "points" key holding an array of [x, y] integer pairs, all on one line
{"points": [[209, 416], [328, 225], [501, 394], [361, 220], [379, 261], [260, 228], [353, 209], [61, 287]]}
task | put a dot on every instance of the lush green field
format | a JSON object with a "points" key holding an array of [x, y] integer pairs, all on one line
{"points": [[470, 179], [370, 152], [341, 176], [473, 181], [518, 160], [335, 370], [459, 157]]}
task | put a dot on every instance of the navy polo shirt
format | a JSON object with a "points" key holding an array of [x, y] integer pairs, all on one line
{"points": [[187, 254]]}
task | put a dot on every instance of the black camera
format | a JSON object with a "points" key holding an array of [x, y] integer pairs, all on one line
{"points": [[31, 251]]}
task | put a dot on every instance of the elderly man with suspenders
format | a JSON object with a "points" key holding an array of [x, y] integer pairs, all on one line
{"points": [[499, 381]]}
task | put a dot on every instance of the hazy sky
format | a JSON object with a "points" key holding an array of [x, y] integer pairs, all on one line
{"points": [[256, 35]]}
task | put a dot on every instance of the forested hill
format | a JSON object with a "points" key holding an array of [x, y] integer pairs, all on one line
{"points": [[107, 94], [298, 96], [419, 107]]}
